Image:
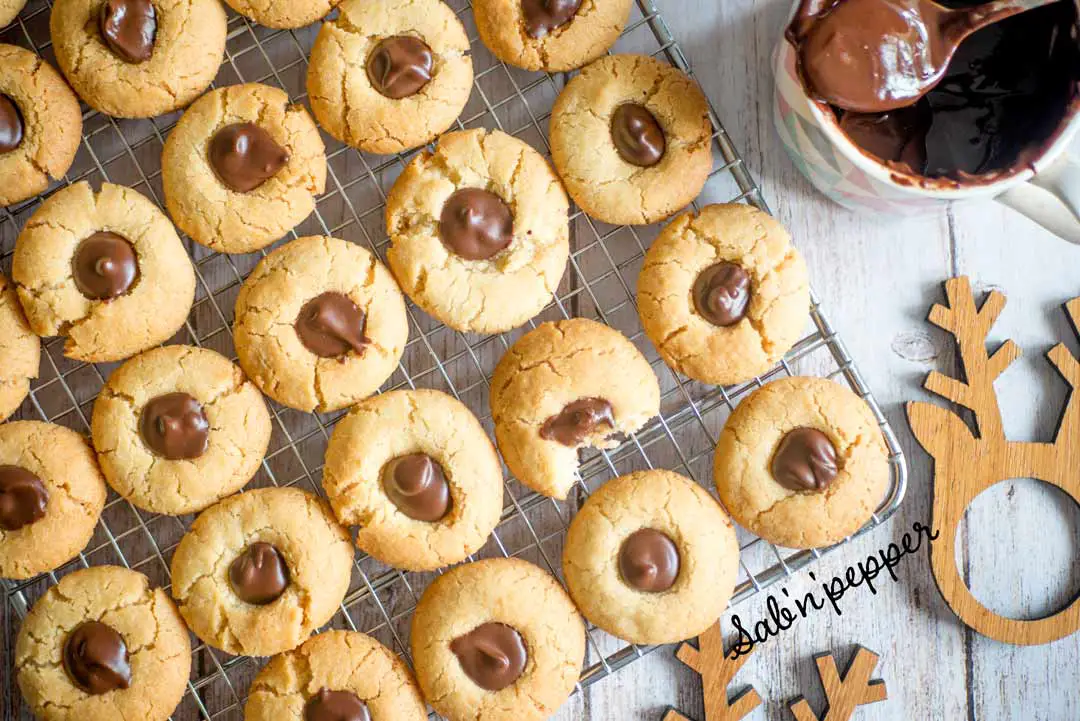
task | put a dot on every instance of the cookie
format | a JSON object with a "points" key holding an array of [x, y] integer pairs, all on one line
{"points": [[497, 639], [651, 558], [390, 75], [20, 349], [631, 139], [320, 324], [479, 231], [260, 571], [51, 496], [40, 124], [722, 294], [563, 386], [551, 35], [242, 167], [801, 463], [102, 644], [104, 269], [137, 58], [286, 15], [178, 428], [9, 10], [414, 470], [337, 675]]}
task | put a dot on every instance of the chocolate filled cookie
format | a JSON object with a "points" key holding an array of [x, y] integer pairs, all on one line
{"points": [[416, 473], [260, 571], [631, 139], [242, 167], [651, 558], [479, 231], [722, 293], [389, 75], [138, 58], [104, 269], [320, 324], [801, 463], [497, 639], [20, 349], [178, 428], [40, 124]]}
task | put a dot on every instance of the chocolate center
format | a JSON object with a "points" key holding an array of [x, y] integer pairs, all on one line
{"points": [[104, 266], [649, 561], [577, 421], [330, 325], [722, 294], [174, 426], [476, 224], [417, 485], [96, 658], [23, 498], [638, 138], [244, 156], [400, 66], [543, 16], [329, 705], [493, 655], [11, 125], [805, 461], [259, 574], [129, 28]]}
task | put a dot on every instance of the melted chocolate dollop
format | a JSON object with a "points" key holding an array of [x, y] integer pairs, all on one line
{"points": [[543, 16], [129, 28], [805, 461], [23, 498], [330, 325], [174, 426], [244, 156], [259, 574], [400, 66], [578, 420], [722, 294], [476, 224], [493, 655], [638, 138], [329, 705], [104, 266], [417, 485], [96, 658], [11, 125], [649, 561]]}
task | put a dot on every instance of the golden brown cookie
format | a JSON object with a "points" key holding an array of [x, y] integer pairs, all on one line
{"points": [[283, 14], [801, 463], [9, 10], [631, 139], [722, 293], [19, 348]]}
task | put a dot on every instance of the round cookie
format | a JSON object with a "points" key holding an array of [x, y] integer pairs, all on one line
{"points": [[138, 58], [105, 269], [631, 139], [103, 644], [390, 75], [179, 428], [51, 496], [287, 15], [564, 386], [651, 558], [242, 167], [551, 35], [335, 675], [479, 231], [260, 571], [722, 294], [9, 10], [320, 324], [497, 639], [20, 349], [801, 463], [416, 473], [40, 124]]}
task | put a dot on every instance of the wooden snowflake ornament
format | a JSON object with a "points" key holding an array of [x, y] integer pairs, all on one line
{"points": [[717, 671], [844, 694]]}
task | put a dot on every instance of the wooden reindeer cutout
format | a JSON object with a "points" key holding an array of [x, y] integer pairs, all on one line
{"points": [[966, 464], [843, 694], [717, 671]]}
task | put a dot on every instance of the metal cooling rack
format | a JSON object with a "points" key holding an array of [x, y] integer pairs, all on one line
{"points": [[599, 283]]}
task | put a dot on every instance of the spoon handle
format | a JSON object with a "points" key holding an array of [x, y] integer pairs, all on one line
{"points": [[964, 22]]}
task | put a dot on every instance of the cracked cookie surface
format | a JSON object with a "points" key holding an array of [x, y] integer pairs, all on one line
{"points": [[224, 219], [188, 45], [316, 551], [287, 15], [337, 661], [598, 178], [237, 438], [804, 518], [20, 349], [779, 294], [590, 33], [52, 124], [64, 463], [508, 288], [514, 593], [271, 299], [9, 10], [399, 423], [681, 510], [551, 367], [346, 102], [148, 313]]}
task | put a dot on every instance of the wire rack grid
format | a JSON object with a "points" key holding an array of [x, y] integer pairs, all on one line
{"points": [[599, 283]]}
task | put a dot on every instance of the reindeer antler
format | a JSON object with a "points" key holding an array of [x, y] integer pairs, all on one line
{"points": [[970, 326], [843, 694], [1069, 368]]}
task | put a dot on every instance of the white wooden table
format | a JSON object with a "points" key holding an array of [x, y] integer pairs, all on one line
{"points": [[877, 279]]}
